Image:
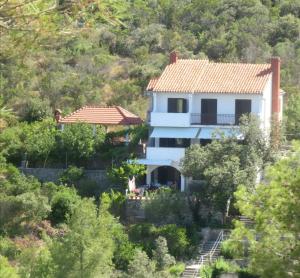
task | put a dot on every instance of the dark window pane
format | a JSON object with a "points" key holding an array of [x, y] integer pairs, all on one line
{"points": [[242, 106], [177, 105]]}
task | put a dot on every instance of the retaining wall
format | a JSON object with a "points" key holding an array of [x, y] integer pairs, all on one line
{"points": [[51, 174]]}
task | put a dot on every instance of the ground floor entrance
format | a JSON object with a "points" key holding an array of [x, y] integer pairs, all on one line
{"points": [[165, 176]]}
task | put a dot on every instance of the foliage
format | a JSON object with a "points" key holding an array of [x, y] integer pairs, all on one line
{"points": [[62, 205], [161, 255], [141, 266], [274, 208], [7, 271], [167, 206], [87, 248], [218, 267], [40, 139], [77, 141], [177, 269], [116, 202], [225, 163], [145, 235], [8, 248], [74, 176], [71, 175], [120, 175], [227, 250], [292, 114]]}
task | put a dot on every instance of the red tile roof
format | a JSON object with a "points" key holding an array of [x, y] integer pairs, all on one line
{"points": [[203, 76], [114, 115]]}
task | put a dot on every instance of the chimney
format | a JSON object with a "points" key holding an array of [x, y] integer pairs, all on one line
{"points": [[275, 66], [173, 57], [57, 115]]}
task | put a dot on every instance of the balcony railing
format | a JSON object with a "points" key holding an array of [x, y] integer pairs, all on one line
{"points": [[214, 119]]}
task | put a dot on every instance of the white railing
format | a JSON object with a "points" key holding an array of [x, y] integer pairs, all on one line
{"points": [[210, 254], [216, 244]]}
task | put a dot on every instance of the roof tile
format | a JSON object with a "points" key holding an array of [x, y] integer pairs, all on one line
{"points": [[114, 115], [202, 76]]}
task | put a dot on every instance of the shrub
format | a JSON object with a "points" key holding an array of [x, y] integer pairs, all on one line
{"points": [[177, 269], [168, 207], [6, 270], [115, 202], [161, 254], [62, 205], [8, 248], [177, 239], [145, 235], [221, 266], [227, 250], [71, 175], [119, 175]]}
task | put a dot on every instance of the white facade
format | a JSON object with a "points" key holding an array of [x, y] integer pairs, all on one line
{"points": [[163, 125]]}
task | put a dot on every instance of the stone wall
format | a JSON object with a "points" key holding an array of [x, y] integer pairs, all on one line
{"points": [[51, 174]]}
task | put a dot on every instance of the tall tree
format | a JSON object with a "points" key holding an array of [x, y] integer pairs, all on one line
{"points": [[273, 241]]}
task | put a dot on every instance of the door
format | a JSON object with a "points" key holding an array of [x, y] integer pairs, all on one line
{"points": [[209, 111], [242, 106]]}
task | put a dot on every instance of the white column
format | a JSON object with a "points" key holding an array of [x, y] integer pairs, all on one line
{"points": [[156, 142], [154, 102], [94, 130], [182, 185], [190, 103], [148, 175]]}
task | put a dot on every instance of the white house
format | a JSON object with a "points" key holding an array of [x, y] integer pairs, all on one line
{"points": [[193, 98]]}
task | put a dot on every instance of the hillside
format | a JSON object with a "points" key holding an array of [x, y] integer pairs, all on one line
{"points": [[104, 52]]}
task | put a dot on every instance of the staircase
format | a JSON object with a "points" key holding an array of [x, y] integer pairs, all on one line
{"points": [[209, 252], [247, 221]]}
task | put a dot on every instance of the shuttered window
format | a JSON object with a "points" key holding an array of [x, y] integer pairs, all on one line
{"points": [[177, 105]]}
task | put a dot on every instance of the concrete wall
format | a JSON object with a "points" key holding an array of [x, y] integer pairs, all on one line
{"points": [[51, 174]]}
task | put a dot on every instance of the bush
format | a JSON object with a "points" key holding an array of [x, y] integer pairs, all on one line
{"points": [[168, 207], [177, 269], [145, 234], [221, 266], [115, 202], [74, 176], [62, 205], [177, 239], [161, 254], [71, 175], [120, 175], [227, 250], [6, 270], [8, 248]]}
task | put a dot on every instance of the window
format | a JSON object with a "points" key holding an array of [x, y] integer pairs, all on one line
{"points": [[242, 106], [177, 105], [174, 142]]}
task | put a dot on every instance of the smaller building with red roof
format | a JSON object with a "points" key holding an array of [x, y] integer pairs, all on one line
{"points": [[99, 115]]}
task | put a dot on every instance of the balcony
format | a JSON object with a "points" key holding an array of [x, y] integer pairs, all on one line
{"points": [[161, 153], [214, 119], [170, 119]]}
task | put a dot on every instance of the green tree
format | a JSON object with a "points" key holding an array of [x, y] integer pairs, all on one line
{"points": [[224, 164], [39, 139], [86, 250], [120, 175], [274, 208], [141, 266], [161, 254], [77, 141]]}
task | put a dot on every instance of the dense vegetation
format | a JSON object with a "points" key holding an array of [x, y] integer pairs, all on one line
{"points": [[65, 54], [69, 53]]}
